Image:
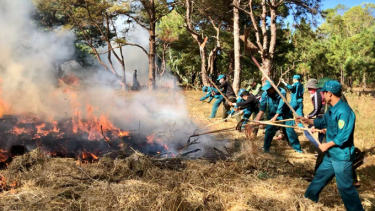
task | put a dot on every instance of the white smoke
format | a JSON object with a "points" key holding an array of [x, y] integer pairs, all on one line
{"points": [[29, 82]]}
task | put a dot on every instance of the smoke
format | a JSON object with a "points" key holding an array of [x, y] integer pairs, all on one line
{"points": [[29, 83]]}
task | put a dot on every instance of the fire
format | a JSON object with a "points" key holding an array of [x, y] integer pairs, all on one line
{"points": [[3, 155], [166, 147], [87, 157], [3, 184], [85, 123], [150, 139], [123, 133]]}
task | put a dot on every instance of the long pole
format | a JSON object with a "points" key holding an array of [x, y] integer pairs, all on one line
{"points": [[223, 119], [282, 125], [218, 89], [278, 91]]}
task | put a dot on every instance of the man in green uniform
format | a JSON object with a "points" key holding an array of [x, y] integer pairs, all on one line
{"points": [[339, 122], [277, 110], [254, 88], [296, 96]]}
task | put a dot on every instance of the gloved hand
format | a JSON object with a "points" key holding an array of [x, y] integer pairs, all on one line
{"points": [[229, 116]]}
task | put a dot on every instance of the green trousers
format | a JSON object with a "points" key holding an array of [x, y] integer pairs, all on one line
{"points": [[343, 171]]}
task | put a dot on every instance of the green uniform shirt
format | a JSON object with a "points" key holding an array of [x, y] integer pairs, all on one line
{"points": [[340, 123], [275, 105], [255, 91], [296, 91]]}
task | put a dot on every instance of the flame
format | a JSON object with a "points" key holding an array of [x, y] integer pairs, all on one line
{"points": [[123, 133], [3, 155], [88, 156], [150, 139], [166, 147], [86, 122]]}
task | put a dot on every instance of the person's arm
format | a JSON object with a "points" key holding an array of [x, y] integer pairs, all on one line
{"points": [[290, 87], [281, 105], [205, 97], [319, 123], [263, 102], [222, 85], [259, 116], [317, 103], [246, 103]]}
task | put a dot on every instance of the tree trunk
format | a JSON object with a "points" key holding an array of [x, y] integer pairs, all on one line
{"points": [[267, 65], [152, 51], [342, 76], [364, 80], [237, 54], [231, 61], [203, 68]]}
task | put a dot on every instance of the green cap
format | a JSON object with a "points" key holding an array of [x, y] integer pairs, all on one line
{"points": [[332, 86], [322, 81], [296, 77], [267, 86], [220, 77]]}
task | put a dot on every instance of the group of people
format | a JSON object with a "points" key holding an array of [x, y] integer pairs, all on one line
{"points": [[331, 114]]}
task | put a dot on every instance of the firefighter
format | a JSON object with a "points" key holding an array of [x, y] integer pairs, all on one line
{"points": [[339, 122], [296, 96], [227, 90], [277, 110]]}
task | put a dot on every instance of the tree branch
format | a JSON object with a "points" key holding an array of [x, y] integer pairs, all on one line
{"points": [[241, 9], [288, 70], [279, 3], [264, 29], [139, 46], [138, 22], [157, 19], [255, 25]]}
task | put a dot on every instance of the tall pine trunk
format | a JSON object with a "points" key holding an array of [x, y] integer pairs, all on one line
{"points": [[152, 51], [237, 54]]}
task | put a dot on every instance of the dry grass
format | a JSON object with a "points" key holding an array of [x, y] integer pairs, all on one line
{"points": [[249, 180]]}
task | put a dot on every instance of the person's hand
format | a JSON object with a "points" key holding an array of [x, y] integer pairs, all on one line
{"points": [[312, 129], [257, 122], [324, 131], [324, 147], [230, 103], [302, 119], [282, 81], [273, 119]]}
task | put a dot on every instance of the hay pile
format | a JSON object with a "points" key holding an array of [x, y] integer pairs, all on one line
{"points": [[244, 179], [245, 182]]}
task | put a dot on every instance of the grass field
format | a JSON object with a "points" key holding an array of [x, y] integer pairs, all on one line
{"points": [[247, 179]]}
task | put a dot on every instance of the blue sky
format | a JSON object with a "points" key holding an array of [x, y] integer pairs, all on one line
{"points": [[326, 4]]}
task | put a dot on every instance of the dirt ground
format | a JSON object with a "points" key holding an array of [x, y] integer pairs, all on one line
{"points": [[244, 178]]}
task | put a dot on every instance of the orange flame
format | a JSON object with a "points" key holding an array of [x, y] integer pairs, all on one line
{"points": [[150, 139]]}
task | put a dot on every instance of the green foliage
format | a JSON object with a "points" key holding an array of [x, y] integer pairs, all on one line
{"points": [[342, 47]]}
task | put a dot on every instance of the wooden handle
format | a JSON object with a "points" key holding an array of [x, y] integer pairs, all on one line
{"points": [[218, 89], [281, 125]]}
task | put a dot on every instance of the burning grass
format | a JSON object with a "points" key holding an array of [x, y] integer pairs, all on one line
{"points": [[245, 179]]}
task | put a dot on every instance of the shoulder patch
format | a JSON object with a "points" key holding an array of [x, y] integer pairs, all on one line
{"points": [[341, 123]]}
